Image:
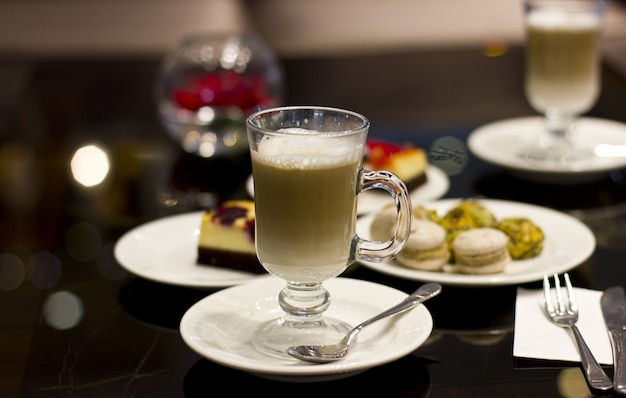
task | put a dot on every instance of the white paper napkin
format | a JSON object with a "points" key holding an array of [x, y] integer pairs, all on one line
{"points": [[537, 337]]}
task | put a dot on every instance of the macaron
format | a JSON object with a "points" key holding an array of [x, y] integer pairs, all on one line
{"points": [[426, 248], [384, 223], [481, 251]]}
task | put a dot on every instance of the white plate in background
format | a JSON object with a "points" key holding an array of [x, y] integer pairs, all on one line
{"points": [[500, 143]]}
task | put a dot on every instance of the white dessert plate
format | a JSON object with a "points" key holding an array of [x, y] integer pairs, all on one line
{"points": [[219, 327], [437, 184], [165, 251], [500, 143], [567, 243]]}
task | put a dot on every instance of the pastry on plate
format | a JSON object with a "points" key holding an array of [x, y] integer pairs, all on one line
{"points": [[407, 162], [385, 220], [427, 248], [384, 223], [525, 237], [420, 211], [468, 214], [227, 237], [481, 251]]}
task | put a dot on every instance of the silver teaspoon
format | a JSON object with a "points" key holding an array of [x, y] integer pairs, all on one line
{"points": [[333, 352]]}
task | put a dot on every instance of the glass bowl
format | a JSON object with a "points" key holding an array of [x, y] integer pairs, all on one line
{"points": [[207, 86]]}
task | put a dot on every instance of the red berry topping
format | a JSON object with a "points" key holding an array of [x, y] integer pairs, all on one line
{"points": [[228, 215], [379, 152], [383, 148], [250, 229]]}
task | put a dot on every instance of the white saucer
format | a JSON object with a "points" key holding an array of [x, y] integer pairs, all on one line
{"points": [[500, 142], [219, 326], [165, 250], [567, 243], [437, 184]]}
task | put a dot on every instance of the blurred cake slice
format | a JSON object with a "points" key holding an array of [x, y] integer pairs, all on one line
{"points": [[409, 163], [227, 237]]}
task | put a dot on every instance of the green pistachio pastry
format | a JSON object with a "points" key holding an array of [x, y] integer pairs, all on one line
{"points": [[525, 237], [423, 213], [468, 214]]}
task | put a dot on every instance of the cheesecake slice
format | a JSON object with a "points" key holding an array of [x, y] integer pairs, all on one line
{"points": [[227, 237]]}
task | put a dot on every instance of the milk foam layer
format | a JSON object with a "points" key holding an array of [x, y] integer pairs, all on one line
{"points": [[306, 149], [559, 19]]}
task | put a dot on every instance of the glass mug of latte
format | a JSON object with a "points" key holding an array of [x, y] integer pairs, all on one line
{"points": [[307, 170], [562, 71]]}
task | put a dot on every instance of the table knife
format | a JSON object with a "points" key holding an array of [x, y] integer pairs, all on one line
{"points": [[613, 303]]}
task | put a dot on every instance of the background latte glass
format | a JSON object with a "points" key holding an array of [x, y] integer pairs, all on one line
{"points": [[562, 71], [307, 168]]}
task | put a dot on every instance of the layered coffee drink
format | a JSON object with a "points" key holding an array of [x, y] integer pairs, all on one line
{"points": [[562, 69], [307, 169], [305, 196]]}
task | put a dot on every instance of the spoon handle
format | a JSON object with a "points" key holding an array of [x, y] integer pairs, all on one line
{"points": [[423, 293]]}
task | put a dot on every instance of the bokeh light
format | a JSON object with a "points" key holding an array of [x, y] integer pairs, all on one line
{"points": [[63, 310], [495, 47], [90, 165], [44, 270], [12, 271], [571, 384]]}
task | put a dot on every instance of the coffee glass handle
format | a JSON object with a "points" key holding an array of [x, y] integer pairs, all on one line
{"points": [[377, 252]]}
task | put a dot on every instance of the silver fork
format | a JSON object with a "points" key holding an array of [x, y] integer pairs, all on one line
{"points": [[565, 314]]}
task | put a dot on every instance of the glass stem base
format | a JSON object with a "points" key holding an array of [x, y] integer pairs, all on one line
{"points": [[301, 323], [555, 143]]}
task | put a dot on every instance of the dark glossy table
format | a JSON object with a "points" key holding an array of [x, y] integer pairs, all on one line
{"points": [[57, 237]]}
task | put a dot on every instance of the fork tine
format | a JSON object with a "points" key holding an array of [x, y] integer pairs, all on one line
{"points": [[570, 293], [559, 297], [547, 295]]}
